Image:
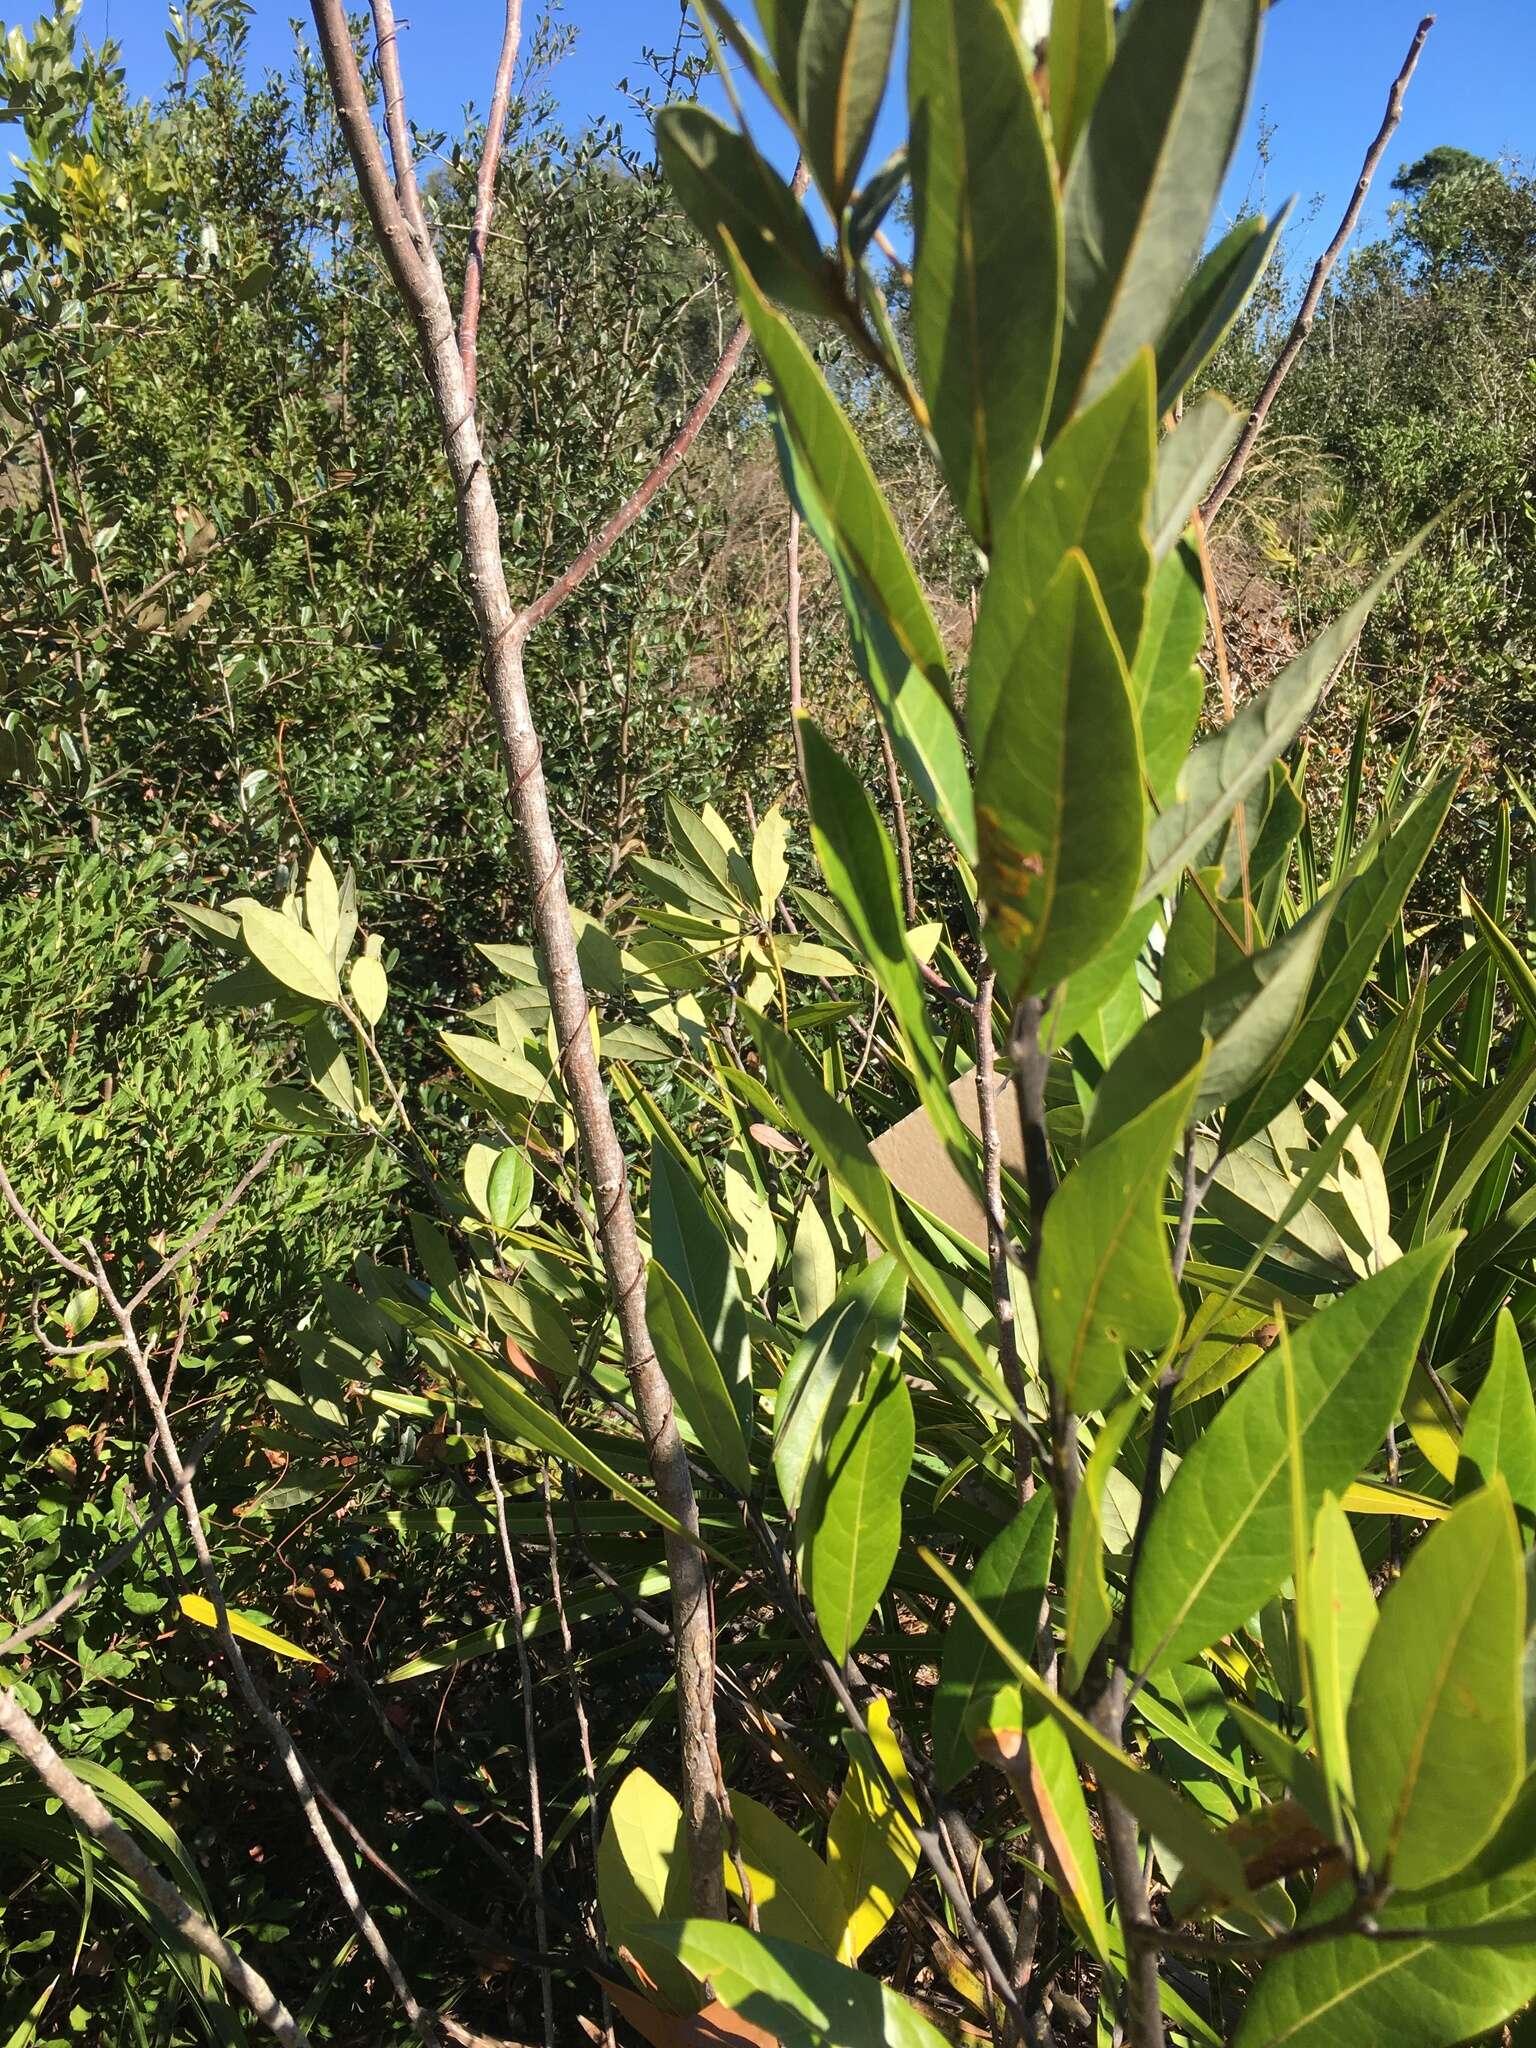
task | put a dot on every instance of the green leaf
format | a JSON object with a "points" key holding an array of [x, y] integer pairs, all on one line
{"points": [[1166, 1814], [844, 53], [795, 1895], [848, 1524], [1009, 1586], [895, 640], [859, 863], [1411, 1994], [801, 1999], [508, 1187], [1369, 907], [1106, 1280], [1220, 1542], [516, 1417], [1478, 1139], [290, 954], [322, 903], [1144, 180], [871, 1847], [1088, 1612], [1167, 686], [1081, 49], [693, 1373], [696, 1253], [1499, 1436], [1059, 805], [986, 283], [1187, 463], [827, 1366], [1220, 773], [1246, 1012], [496, 1069], [1213, 300], [1437, 1721], [1341, 1614], [738, 201], [1091, 492]]}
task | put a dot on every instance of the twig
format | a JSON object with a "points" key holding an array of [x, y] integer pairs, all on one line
{"points": [[530, 1739], [87, 1810], [39, 1236], [485, 197], [1301, 327], [206, 1228], [583, 1731], [899, 815]]}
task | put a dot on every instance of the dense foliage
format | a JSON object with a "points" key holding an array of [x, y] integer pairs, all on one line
{"points": [[1117, 1478]]}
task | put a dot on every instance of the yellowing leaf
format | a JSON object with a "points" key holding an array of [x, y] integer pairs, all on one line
{"points": [[290, 954], [197, 1609], [871, 1846]]}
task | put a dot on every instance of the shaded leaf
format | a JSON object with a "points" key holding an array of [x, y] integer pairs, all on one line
{"points": [[1009, 1585], [871, 1848]]}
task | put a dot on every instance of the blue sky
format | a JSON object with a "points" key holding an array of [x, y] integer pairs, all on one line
{"points": [[1322, 83]]}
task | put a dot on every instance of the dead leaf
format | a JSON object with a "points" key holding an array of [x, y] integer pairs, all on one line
{"points": [[715, 2027]]}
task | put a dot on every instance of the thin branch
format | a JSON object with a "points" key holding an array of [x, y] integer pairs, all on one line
{"points": [[530, 1739], [1227, 482], [502, 632], [206, 1228], [396, 125], [87, 1811], [39, 1236], [485, 197], [899, 814]]}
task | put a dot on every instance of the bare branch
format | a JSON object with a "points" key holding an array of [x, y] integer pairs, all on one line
{"points": [[1301, 327], [206, 1228], [998, 1247], [396, 127], [39, 1236], [530, 1739], [502, 634], [87, 1811], [485, 197], [792, 646], [899, 814]]}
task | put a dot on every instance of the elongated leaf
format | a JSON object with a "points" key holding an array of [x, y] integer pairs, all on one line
{"points": [[872, 1850], [502, 1072], [1500, 1433], [795, 1895], [1220, 1543], [895, 640], [848, 1524], [844, 53], [1034, 1752], [516, 1417], [1437, 1721], [1009, 1585], [986, 290], [290, 954], [799, 1997], [1246, 1012], [1088, 1612], [1165, 1813], [737, 200], [643, 1879], [1213, 300], [827, 1368], [859, 863], [196, 1608], [1058, 794], [1144, 180], [693, 1248], [1166, 684], [693, 1374], [1187, 463], [1413, 1994], [1341, 1614], [1368, 909], [1478, 1139], [1082, 45], [1220, 773], [1105, 1279], [1091, 492]]}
